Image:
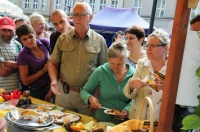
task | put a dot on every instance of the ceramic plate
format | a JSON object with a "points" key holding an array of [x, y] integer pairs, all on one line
{"points": [[59, 116], [16, 118], [109, 111]]}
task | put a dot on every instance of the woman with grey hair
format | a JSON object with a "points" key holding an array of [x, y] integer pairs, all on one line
{"points": [[138, 86], [110, 79], [39, 25]]}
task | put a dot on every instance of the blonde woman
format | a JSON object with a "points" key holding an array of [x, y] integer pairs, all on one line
{"points": [[156, 49], [39, 25]]}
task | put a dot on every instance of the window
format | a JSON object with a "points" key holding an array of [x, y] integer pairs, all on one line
{"points": [[194, 12], [14, 1], [66, 5], [114, 3], [35, 4], [160, 10], [92, 4], [26, 4], [102, 4], [137, 5], [43, 5], [57, 4]]}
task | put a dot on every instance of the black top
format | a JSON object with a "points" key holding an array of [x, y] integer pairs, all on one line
{"points": [[53, 38]]}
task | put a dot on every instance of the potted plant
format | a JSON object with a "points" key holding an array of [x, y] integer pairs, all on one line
{"points": [[193, 121]]}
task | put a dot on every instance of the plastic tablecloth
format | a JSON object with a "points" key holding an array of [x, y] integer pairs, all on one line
{"points": [[84, 118]]}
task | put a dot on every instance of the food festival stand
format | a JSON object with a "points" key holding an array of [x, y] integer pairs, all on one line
{"points": [[177, 44]]}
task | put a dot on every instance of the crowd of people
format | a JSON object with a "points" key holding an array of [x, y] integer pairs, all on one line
{"points": [[74, 64]]}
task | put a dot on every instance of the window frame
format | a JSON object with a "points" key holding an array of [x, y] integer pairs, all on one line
{"points": [[26, 4], [92, 5], [57, 4], [137, 5], [160, 9], [43, 4], [115, 5], [35, 4], [102, 5]]}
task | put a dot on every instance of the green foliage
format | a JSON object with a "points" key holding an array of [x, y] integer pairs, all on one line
{"points": [[198, 73], [191, 122]]}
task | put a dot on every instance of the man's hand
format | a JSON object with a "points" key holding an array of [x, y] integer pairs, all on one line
{"points": [[54, 87], [49, 96], [11, 64]]}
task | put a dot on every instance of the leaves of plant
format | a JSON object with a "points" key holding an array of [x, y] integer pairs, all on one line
{"points": [[198, 72], [197, 110], [191, 122]]}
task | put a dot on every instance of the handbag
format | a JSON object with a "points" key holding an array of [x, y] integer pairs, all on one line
{"points": [[138, 124]]}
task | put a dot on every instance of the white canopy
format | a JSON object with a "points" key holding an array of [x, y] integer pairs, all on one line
{"points": [[8, 8]]}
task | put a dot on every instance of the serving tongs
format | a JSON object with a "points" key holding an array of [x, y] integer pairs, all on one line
{"points": [[105, 108]]}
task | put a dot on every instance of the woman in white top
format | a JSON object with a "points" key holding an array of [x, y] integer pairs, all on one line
{"points": [[137, 88]]}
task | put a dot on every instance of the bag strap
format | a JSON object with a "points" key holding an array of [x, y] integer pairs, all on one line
{"points": [[148, 100]]}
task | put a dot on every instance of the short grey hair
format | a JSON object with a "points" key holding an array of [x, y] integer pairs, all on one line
{"points": [[161, 35], [88, 7], [59, 11], [117, 49]]}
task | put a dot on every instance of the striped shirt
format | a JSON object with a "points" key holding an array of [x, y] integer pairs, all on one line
{"points": [[9, 52]]}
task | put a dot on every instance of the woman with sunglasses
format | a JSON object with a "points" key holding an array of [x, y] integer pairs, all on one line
{"points": [[137, 87]]}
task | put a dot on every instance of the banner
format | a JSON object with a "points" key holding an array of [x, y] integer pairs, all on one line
{"points": [[188, 88]]}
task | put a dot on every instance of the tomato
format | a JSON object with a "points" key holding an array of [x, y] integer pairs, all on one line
{"points": [[77, 126], [6, 96]]}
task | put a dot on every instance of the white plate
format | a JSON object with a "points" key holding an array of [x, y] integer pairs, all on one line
{"points": [[59, 116], [108, 112]]}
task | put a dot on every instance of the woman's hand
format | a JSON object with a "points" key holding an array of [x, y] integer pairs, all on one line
{"points": [[54, 87], [124, 114], [136, 84], [94, 103]]}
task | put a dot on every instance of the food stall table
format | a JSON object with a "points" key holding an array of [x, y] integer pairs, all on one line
{"points": [[84, 118]]}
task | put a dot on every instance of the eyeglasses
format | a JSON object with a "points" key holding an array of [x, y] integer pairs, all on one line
{"points": [[154, 45], [74, 15]]}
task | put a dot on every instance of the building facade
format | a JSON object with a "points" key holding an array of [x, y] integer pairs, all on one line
{"points": [[164, 15]]}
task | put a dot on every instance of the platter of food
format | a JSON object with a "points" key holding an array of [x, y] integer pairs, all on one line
{"points": [[42, 107], [112, 112], [29, 118], [59, 116]]}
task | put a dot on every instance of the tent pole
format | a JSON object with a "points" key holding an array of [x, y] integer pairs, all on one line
{"points": [[152, 17]]}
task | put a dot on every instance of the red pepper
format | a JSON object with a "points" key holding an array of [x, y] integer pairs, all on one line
{"points": [[15, 94]]}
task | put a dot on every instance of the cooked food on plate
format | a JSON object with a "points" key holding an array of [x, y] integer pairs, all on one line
{"points": [[59, 116], [112, 112]]}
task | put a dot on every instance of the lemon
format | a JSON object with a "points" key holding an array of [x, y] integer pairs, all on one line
{"points": [[1, 99]]}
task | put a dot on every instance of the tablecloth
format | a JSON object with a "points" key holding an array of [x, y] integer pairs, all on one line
{"points": [[84, 118]]}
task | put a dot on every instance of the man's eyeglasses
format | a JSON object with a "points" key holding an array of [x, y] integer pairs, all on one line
{"points": [[154, 45], [74, 15]]}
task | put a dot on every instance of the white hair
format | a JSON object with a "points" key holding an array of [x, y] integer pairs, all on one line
{"points": [[89, 9]]}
